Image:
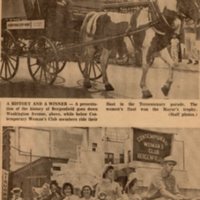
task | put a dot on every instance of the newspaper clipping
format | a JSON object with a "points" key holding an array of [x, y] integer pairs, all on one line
{"points": [[99, 100]]}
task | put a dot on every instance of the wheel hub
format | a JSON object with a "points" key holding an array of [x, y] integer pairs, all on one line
{"points": [[41, 61]]}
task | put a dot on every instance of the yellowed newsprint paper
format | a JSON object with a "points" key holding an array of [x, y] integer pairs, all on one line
{"points": [[99, 100]]}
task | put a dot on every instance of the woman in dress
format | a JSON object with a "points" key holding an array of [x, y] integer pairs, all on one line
{"points": [[108, 189], [86, 193], [131, 188], [55, 191], [68, 192]]}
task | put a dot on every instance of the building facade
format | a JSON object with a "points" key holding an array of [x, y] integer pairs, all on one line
{"points": [[88, 150]]}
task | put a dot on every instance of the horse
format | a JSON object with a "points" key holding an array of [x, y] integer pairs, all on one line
{"points": [[153, 41]]}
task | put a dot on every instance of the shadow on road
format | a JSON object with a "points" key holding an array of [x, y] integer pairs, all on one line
{"points": [[33, 90]]}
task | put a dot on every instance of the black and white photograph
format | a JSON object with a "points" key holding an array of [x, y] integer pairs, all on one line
{"points": [[123, 49], [100, 163]]}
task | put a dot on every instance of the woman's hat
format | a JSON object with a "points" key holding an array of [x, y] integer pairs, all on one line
{"points": [[87, 185], [16, 190], [132, 177]]}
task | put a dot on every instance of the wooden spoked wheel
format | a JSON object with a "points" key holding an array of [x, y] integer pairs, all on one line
{"points": [[43, 61], [9, 56], [61, 66], [62, 63], [94, 69]]}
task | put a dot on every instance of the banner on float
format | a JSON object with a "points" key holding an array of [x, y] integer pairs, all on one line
{"points": [[151, 146]]}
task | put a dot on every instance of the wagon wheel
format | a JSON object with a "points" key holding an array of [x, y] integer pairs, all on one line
{"points": [[61, 66], [43, 61], [9, 56], [94, 69], [61, 63]]}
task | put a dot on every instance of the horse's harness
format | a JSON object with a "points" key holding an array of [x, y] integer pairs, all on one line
{"points": [[156, 11], [157, 18], [162, 22]]}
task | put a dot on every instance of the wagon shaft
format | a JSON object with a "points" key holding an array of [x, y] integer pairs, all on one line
{"points": [[125, 5], [69, 53], [78, 47]]}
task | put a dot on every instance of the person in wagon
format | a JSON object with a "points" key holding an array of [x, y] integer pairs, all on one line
{"points": [[59, 19], [131, 188], [163, 185], [87, 192], [16, 193], [55, 191], [108, 189], [68, 192]]}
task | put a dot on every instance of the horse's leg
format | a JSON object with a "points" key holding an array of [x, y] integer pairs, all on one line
{"points": [[86, 82], [145, 67], [89, 55], [104, 63], [165, 56], [147, 54]]}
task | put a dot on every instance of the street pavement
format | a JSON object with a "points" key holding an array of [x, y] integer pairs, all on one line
{"points": [[125, 80]]}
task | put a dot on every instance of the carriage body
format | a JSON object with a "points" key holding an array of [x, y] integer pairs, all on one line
{"points": [[16, 19], [26, 31], [27, 21], [17, 32]]}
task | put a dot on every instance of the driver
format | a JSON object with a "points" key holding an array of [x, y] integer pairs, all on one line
{"points": [[59, 19], [163, 185]]}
